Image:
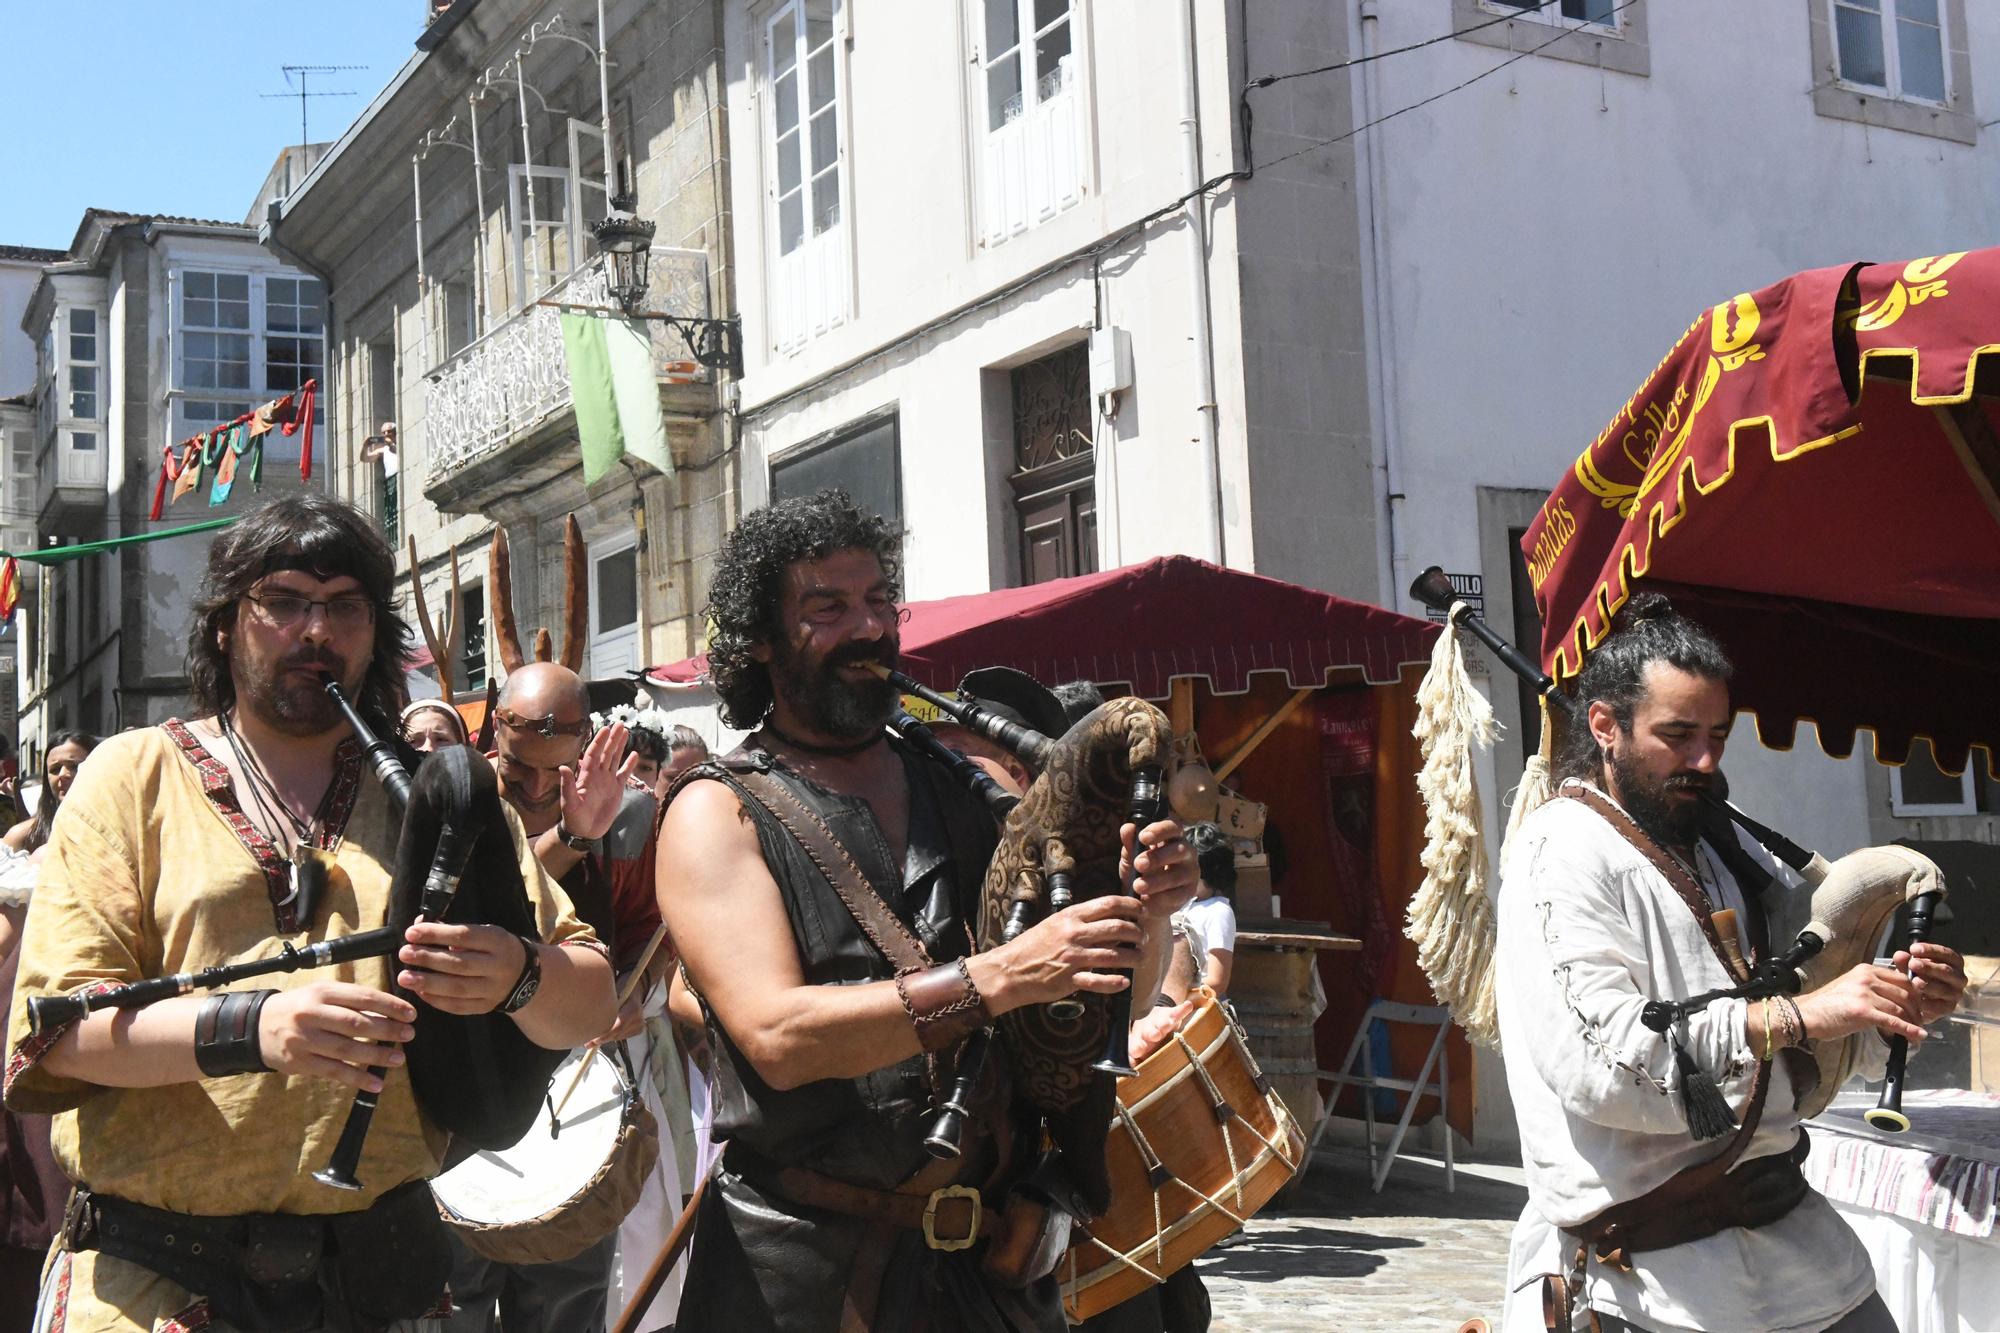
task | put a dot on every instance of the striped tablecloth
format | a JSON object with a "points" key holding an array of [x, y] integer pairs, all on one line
{"points": [[1947, 1177]]}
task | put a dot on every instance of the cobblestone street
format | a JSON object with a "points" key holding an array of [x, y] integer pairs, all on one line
{"points": [[1411, 1259]]}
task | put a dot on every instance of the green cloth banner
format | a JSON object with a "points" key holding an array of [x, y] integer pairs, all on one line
{"points": [[56, 555], [615, 393]]}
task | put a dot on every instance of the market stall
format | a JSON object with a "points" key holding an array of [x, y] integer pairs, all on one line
{"points": [[1300, 703]]}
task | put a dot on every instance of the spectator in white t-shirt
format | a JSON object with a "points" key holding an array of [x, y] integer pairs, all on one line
{"points": [[1210, 920]]}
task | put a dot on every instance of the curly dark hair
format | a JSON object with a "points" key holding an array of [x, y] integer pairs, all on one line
{"points": [[311, 531], [647, 744], [742, 609], [1216, 857], [1647, 629]]}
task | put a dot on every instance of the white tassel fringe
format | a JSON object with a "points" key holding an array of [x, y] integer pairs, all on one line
{"points": [[1450, 916]]}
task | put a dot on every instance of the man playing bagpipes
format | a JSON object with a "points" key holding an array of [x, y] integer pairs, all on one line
{"points": [[1663, 1168], [194, 1127], [825, 1211]]}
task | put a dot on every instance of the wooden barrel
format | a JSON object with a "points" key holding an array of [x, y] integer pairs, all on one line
{"points": [[1274, 990]]}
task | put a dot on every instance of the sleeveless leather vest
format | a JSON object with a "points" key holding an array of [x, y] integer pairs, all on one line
{"points": [[867, 1130]]}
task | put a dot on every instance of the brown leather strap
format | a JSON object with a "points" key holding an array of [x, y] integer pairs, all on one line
{"points": [[954, 1217], [883, 928], [1605, 1230], [1683, 883]]}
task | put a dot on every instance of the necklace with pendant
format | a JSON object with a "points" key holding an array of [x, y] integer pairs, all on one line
{"points": [[307, 877]]}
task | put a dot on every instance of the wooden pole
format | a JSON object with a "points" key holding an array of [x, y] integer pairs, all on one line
{"points": [[631, 984], [663, 1264], [1270, 725]]}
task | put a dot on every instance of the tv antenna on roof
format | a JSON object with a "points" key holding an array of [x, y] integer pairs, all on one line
{"points": [[302, 93]]}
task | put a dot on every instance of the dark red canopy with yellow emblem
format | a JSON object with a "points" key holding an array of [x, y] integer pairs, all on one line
{"points": [[1811, 472]]}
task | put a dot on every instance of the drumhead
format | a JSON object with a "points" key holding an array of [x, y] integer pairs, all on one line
{"points": [[552, 1162]]}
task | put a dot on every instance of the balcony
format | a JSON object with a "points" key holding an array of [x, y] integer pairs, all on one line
{"points": [[493, 410], [69, 478]]}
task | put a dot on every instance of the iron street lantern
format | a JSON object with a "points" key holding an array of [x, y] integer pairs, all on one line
{"points": [[627, 244], [626, 241]]}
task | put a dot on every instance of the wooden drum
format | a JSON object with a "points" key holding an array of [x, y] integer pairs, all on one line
{"points": [[1198, 1144]]}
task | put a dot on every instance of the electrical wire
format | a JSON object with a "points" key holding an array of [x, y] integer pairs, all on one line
{"points": [[1270, 79], [1097, 249], [1440, 96]]}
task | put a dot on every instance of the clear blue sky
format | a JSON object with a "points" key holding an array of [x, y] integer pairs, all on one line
{"points": [[154, 107]]}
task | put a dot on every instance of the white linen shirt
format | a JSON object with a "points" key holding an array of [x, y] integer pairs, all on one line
{"points": [[1589, 931]]}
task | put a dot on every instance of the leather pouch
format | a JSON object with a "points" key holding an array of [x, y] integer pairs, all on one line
{"points": [[1030, 1231], [1028, 1239], [390, 1262]]}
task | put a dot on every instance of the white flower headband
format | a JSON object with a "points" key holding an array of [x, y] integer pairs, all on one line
{"points": [[634, 719]]}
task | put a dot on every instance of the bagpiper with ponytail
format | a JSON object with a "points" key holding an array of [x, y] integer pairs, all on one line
{"points": [[1664, 1187]]}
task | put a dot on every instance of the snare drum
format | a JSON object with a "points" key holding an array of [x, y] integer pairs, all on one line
{"points": [[1198, 1144], [564, 1186]]}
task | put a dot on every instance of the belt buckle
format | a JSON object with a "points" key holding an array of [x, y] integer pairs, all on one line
{"points": [[931, 1237]]}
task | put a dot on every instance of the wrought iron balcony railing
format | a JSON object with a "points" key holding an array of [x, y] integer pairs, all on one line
{"points": [[513, 380]]}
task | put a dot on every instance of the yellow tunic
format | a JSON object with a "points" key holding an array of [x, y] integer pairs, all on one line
{"points": [[152, 870]]}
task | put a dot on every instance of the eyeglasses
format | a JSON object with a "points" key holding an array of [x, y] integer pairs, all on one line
{"points": [[546, 726], [286, 610]]}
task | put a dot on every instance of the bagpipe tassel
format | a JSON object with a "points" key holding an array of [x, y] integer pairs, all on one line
{"points": [[1707, 1110], [1450, 917]]}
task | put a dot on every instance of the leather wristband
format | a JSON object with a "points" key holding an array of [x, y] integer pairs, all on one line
{"points": [[225, 1034], [942, 1003], [529, 982]]}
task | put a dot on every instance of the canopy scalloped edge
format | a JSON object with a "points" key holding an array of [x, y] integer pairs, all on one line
{"points": [[1787, 745], [1631, 564]]}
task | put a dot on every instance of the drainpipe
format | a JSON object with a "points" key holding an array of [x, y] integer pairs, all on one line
{"points": [[1382, 438], [1204, 341]]}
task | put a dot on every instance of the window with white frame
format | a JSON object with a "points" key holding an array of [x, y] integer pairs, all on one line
{"points": [[1031, 156], [83, 364], [1598, 13], [294, 333], [244, 339], [804, 133], [614, 607], [1894, 46], [1920, 788], [544, 241], [215, 331], [589, 202], [45, 387]]}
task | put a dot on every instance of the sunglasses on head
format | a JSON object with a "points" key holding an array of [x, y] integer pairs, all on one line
{"points": [[546, 726]]}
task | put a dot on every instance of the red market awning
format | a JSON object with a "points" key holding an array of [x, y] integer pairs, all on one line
{"points": [[1812, 472], [1145, 625]]}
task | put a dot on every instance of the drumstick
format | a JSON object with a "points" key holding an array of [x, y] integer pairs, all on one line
{"points": [[631, 984]]}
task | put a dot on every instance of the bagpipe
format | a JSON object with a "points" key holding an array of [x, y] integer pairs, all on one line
{"points": [[1851, 906], [1165, 1159], [1058, 844], [476, 1076]]}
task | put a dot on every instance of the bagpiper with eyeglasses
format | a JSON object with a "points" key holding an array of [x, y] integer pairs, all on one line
{"points": [[193, 1127]]}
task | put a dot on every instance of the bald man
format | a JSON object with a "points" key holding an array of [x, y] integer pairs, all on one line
{"points": [[566, 785]]}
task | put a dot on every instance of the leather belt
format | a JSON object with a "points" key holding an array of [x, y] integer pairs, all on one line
{"points": [[949, 1216], [1755, 1194]]}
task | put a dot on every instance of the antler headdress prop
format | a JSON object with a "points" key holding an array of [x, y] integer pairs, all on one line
{"points": [[443, 652], [576, 603]]}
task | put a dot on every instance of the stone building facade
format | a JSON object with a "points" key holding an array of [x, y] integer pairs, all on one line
{"points": [[445, 222]]}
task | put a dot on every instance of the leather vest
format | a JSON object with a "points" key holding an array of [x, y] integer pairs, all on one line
{"points": [[867, 1130]]}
